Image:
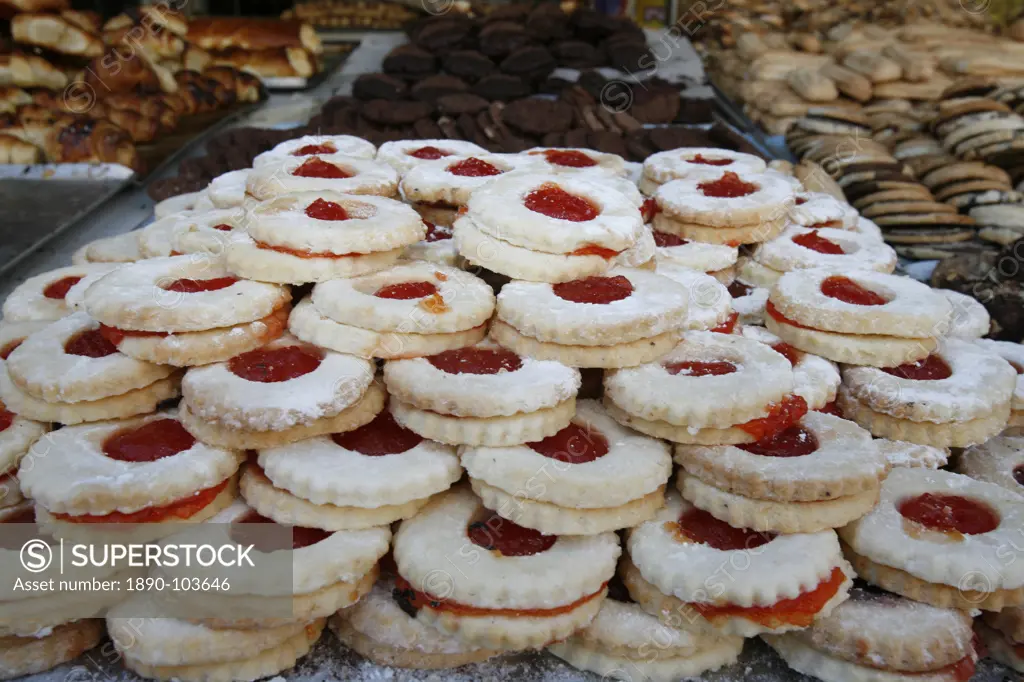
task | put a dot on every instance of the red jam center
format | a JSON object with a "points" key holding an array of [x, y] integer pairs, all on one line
{"points": [[476, 361], [555, 202], [729, 186], [437, 233], [832, 408], [318, 168], [728, 326], [147, 443], [786, 350], [311, 149], [1018, 474], [90, 344], [949, 513], [59, 289], [709, 162], [223, 227], [781, 416], [665, 239], [326, 210], [574, 444], [195, 286], [6, 418], [301, 537], [700, 369], [800, 201], [846, 290], [474, 168], [596, 290], [595, 250], [815, 242], [738, 289], [382, 436], [795, 441], [569, 157], [699, 526], [6, 351], [406, 291], [428, 153], [510, 539], [648, 210], [932, 368], [274, 365]]}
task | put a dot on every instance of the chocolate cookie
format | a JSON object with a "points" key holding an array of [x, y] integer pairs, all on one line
{"points": [[409, 61], [429, 89], [639, 145], [577, 137], [503, 37], [442, 35], [594, 84], [547, 22], [538, 116], [427, 129], [462, 103], [590, 25], [395, 113], [654, 106], [607, 142], [630, 55], [371, 86], [531, 62], [576, 54], [501, 87], [553, 85], [665, 139], [468, 65]]}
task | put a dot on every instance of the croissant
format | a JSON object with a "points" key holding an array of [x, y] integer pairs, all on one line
{"points": [[9, 8], [11, 98], [84, 19], [271, 63], [221, 33], [154, 106], [13, 150], [247, 87], [90, 140], [120, 70], [30, 71], [54, 32], [157, 44], [142, 128]]}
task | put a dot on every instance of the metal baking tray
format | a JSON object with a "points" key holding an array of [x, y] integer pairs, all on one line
{"points": [[42, 201]]}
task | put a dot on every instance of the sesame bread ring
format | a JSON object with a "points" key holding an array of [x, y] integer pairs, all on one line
{"points": [[333, 223], [681, 389], [77, 476], [726, 199], [377, 628], [228, 190], [815, 379], [799, 248], [680, 163], [503, 568], [999, 461], [70, 362], [557, 214], [695, 255], [420, 298], [24, 656], [575, 160], [515, 262], [16, 437], [180, 294], [42, 297], [970, 319], [816, 209], [484, 380], [312, 145], [283, 384], [944, 528], [208, 231], [682, 553], [450, 180], [156, 239], [330, 172], [623, 306], [822, 457], [958, 382], [1013, 353], [887, 305], [724, 236], [404, 155], [247, 258], [121, 248], [708, 302]]}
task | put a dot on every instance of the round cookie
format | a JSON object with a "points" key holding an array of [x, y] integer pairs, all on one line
{"points": [[999, 461], [575, 160], [679, 163], [970, 319], [315, 145], [228, 190], [24, 656], [121, 248], [800, 248], [1013, 353], [328, 172], [42, 297], [725, 199], [404, 155]]}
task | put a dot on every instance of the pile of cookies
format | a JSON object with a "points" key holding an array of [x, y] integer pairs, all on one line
{"points": [[562, 359]]}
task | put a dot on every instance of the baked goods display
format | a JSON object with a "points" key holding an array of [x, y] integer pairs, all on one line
{"points": [[806, 454], [334, 14]]}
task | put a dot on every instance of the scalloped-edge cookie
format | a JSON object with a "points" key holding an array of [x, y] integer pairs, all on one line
{"points": [[999, 460], [42, 297], [119, 248], [725, 198], [312, 145], [1013, 353], [330, 172], [404, 155], [23, 656], [800, 248], [679, 163], [709, 305]]}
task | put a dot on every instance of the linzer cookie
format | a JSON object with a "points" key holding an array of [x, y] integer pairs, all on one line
{"points": [[482, 395], [24, 656], [437, 247], [1003, 635], [183, 311], [404, 155], [624, 318], [937, 537], [42, 298], [710, 258], [121, 248], [547, 228], [228, 190], [901, 453], [680, 163], [815, 379], [815, 209], [790, 580], [516, 588], [183, 202], [708, 304], [17, 435], [970, 319], [1013, 353], [156, 240], [598, 475], [327, 172], [749, 301], [316, 145], [874, 635], [206, 232], [409, 310], [69, 373], [573, 160], [13, 334], [957, 396], [710, 389], [999, 460], [820, 473], [860, 318], [318, 236]]}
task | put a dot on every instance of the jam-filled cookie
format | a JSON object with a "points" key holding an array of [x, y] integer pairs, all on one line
{"points": [[228, 189], [283, 392], [183, 202], [547, 228], [317, 236], [680, 163], [574, 160], [940, 538], [711, 389], [960, 395], [183, 311], [42, 298], [121, 248], [597, 476], [874, 635], [820, 210], [317, 145], [623, 318], [1002, 634], [437, 247], [207, 232], [494, 584], [901, 453], [970, 319], [699, 256], [999, 460], [156, 240], [820, 473], [70, 373], [17, 435], [860, 318], [409, 310], [815, 379], [482, 395], [319, 173], [24, 656], [708, 304], [404, 155], [1013, 353], [680, 564], [749, 301]]}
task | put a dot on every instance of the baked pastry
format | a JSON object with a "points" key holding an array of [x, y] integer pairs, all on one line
{"points": [[278, 62], [935, 536], [437, 247], [55, 33], [816, 209], [201, 232], [30, 71], [815, 379], [403, 155], [42, 297], [328, 172], [316, 145], [679, 163], [30, 655], [14, 150], [8, 8], [13, 334], [228, 189], [1002, 634], [999, 460], [410, 310], [17, 435], [970, 319], [219, 33], [708, 306], [570, 160], [517, 588], [182, 202]]}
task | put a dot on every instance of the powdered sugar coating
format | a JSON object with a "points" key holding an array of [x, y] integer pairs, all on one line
{"points": [[15, 441], [684, 201], [970, 319], [860, 252], [972, 562], [823, 210], [639, 255], [1013, 353], [120, 248], [200, 231], [432, 181], [228, 190], [708, 301], [607, 164], [980, 381], [348, 145], [625, 625], [675, 164], [155, 239], [815, 379], [901, 453], [364, 177], [177, 204], [535, 385], [995, 461], [751, 306], [398, 154], [700, 256], [26, 303]]}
